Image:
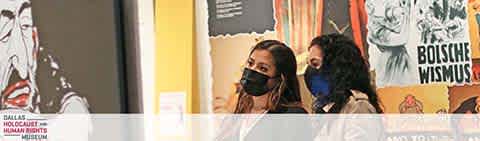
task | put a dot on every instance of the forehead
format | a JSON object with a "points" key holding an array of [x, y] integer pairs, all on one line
{"points": [[262, 56], [315, 49], [12, 5]]}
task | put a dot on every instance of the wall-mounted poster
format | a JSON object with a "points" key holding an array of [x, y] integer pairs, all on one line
{"points": [[419, 51], [60, 57], [422, 46], [294, 22], [423, 54], [420, 42]]}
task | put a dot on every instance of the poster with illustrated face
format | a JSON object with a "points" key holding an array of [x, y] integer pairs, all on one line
{"points": [[51, 63], [444, 49], [389, 32], [19, 47], [424, 54], [420, 45], [419, 42]]}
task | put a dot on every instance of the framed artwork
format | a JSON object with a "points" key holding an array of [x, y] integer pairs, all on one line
{"points": [[62, 57]]}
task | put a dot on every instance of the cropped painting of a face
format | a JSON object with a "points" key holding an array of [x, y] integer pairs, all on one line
{"points": [[18, 53], [20, 56]]}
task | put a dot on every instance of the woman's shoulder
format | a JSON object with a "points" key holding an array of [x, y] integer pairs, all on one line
{"points": [[358, 103]]}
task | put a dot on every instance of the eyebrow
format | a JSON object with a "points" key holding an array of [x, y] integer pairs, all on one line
{"points": [[264, 64], [260, 63], [7, 13], [24, 6]]}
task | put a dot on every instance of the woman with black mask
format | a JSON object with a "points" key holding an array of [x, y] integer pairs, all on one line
{"points": [[269, 87], [269, 81]]}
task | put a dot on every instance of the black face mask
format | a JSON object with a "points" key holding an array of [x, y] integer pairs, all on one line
{"points": [[254, 83]]}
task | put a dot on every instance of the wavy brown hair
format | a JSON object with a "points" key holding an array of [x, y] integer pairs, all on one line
{"points": [[287, 92]]}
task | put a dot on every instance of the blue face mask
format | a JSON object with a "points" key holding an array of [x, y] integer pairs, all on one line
{"points": [[316, 82], [318, 85]]}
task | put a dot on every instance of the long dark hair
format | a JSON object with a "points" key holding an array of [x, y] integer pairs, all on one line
{"points": [[346, 70], [288, 92]]}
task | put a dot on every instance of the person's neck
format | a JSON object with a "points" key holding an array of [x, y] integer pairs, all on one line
{"points": [[260, 103]]}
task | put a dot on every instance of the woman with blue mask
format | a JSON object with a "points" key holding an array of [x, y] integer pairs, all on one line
{"points": [[315, 80], [313, 76], [347, 74], [351, 97]]}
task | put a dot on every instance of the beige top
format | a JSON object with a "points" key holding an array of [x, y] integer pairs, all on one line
{"points": [[357, 104], [351, 128]]}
